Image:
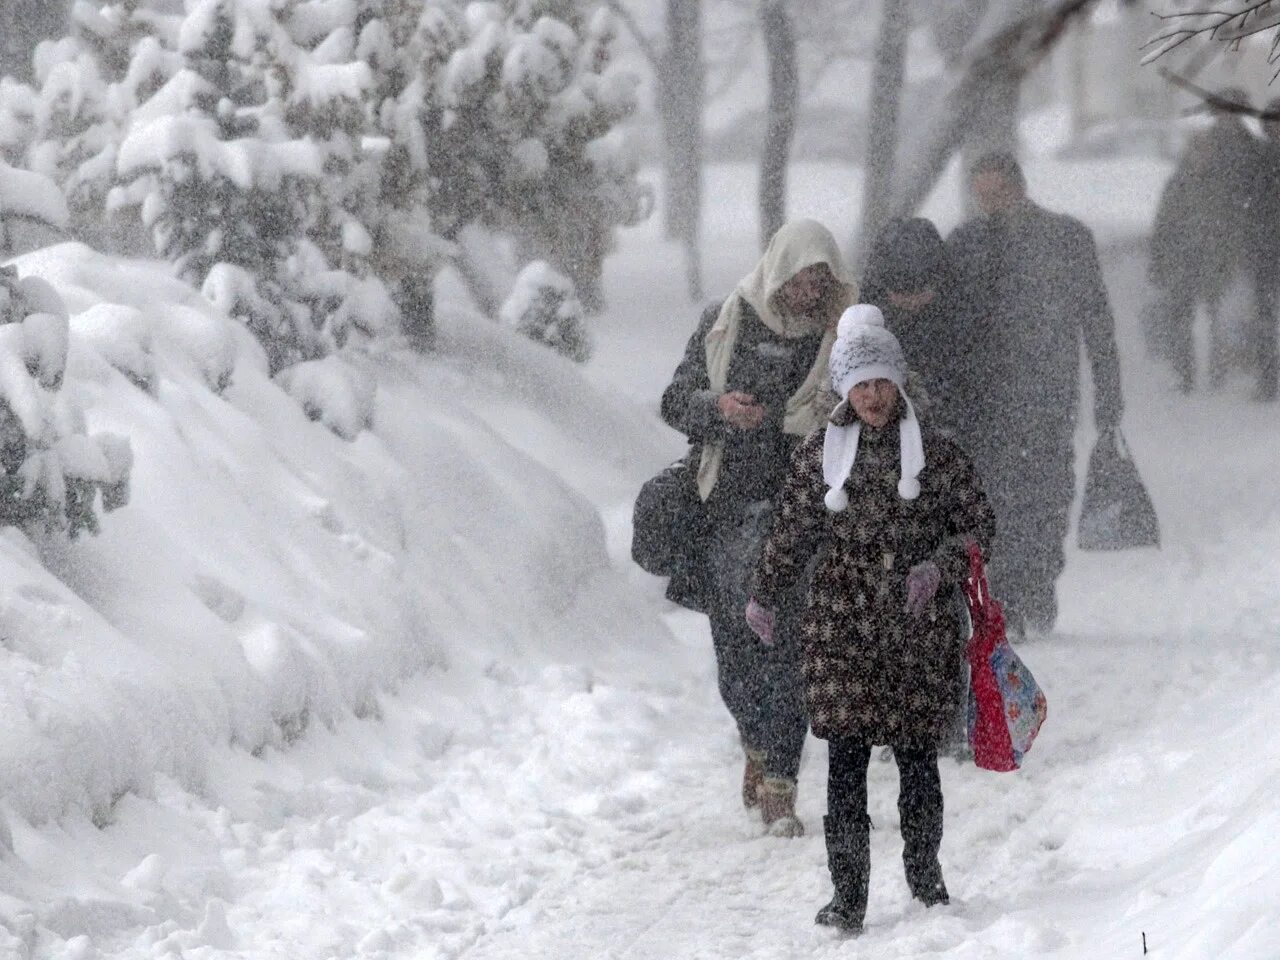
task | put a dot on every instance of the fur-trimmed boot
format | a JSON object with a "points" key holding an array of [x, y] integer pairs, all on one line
{"points": [[778, 808], [849, 860], [752, 778]]}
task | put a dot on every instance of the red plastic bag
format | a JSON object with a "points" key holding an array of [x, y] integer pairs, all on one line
{"points": [[1006, 705]]}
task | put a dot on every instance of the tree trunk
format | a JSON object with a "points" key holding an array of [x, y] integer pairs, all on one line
{"points": [[680, 99], [882, 124], [784, 101]]}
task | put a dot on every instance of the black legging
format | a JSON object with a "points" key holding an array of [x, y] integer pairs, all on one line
{"points": [[919, 794]]}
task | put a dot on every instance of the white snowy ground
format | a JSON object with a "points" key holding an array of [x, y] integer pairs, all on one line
{"points": [[408, 699]]}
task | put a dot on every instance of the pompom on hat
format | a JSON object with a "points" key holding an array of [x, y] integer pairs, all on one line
{"points": [[865, 350]]}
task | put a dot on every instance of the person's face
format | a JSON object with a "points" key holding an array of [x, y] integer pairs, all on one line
{"points": [[912, 301], [805, 292], [874, 401], [994, 193]]}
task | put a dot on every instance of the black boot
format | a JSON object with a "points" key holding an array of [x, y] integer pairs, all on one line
{"points": [[849, 860], [920, 806], [924, 877]]}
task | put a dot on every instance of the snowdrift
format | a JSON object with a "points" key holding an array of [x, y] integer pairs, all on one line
{"points": [[269, 575]]}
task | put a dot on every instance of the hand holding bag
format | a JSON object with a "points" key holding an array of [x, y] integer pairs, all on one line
{"points": [[1117, 513], [1006, 705]]}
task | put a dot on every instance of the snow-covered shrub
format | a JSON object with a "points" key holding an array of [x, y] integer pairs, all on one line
{"points": [[332, 392], [50, 470], [544, 307], [121, 336], [406, 249], [206, 342], [29, 197], [328, 95]]}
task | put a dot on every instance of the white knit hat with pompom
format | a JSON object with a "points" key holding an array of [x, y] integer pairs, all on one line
{"points": [[866, 350]]}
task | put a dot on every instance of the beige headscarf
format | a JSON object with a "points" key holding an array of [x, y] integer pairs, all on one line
{"points": [[797, 245]]}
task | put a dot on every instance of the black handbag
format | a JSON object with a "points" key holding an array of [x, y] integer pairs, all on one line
{"points": [[1117, 513], [669, 527]]}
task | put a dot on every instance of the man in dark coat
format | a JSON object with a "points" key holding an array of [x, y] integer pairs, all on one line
{"points": [[1032, 289], [751, 385], [909, 277]]}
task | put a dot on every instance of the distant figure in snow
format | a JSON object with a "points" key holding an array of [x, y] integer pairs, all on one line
{"points": [[888, 507], [1201, 239], [751, 385], [1264, 255], [1031, 289]]}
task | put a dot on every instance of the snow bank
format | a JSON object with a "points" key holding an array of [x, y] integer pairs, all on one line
{"points": [[267, 574]]}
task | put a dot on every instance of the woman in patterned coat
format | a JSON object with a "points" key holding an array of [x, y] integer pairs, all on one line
{"points": [[888, 507]]}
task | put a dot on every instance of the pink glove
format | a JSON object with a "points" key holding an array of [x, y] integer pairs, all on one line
{"points": [[761, 621], [923, 581]]}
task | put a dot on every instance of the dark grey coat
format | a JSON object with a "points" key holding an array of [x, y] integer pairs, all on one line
{"points": [[1031, 290]]}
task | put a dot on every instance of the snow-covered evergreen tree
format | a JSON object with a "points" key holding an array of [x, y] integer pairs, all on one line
{"points": [[51, 471], [399, 40], [87, 84], [327, 92], [503, 114], [220, 183], [310, 164], [523, 130]]}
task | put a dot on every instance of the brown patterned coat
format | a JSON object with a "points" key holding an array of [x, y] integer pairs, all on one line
{"points": [[872, 672]]}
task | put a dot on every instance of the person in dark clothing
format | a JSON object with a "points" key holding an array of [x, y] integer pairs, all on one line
{"points": [[1200, 241], [751, 384], [909, 277], [1032, 289], [1264, 256], [884, 508]]}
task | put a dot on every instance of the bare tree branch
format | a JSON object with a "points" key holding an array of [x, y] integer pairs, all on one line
{"points": [[1216, 100], [1229, 25], [1009, 52]]}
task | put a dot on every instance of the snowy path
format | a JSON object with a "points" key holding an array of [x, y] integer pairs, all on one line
{"points": [[562, 817]]}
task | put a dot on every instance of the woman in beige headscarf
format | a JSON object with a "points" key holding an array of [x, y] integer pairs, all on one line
{"points": [[751, 385]]}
